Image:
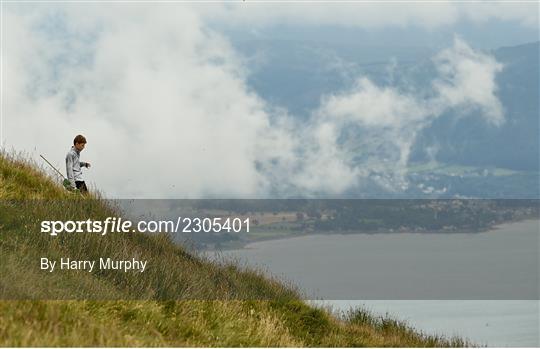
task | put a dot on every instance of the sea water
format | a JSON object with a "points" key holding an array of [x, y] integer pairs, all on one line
{"points": [[480, 286]]}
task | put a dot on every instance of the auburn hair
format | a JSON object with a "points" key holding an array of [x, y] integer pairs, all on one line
{"points": [[79, 139]]}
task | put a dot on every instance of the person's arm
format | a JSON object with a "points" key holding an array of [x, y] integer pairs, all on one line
{"points": [[69, 171]]}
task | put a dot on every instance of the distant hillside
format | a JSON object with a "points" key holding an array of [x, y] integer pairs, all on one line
{"points": [[295, 74], [214, 305]]}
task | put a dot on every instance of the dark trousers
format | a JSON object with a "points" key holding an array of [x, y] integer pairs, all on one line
{"points": [[81, 186]]}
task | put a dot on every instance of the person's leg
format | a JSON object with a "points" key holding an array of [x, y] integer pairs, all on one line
{"points": [[81, 186]]}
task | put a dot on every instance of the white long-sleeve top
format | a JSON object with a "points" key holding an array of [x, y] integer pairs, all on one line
{"points": [[73, 166]]}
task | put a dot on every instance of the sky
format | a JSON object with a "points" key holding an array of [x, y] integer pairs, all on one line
{"points": [[162, 95]]}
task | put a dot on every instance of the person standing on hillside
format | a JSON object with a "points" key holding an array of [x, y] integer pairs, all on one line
{"points": [[73, 164]]}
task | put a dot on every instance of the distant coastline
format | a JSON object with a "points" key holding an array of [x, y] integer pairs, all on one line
{"points": [[236, 245]]}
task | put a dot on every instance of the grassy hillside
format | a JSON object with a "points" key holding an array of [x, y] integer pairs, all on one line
{"points": [[215, 304]]}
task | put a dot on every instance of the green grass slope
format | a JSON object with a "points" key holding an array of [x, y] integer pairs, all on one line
{"points": [[181, 300]]}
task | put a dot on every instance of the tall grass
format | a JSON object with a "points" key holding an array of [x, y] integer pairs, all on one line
{"points": [[180, 300]]}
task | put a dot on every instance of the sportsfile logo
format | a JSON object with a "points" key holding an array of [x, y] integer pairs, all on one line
{"points": [[109, 225]]}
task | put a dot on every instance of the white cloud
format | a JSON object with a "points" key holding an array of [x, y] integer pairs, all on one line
{"points": [[526, 13], [164, 104], [370, 15], [468, 79], [388, 121]]}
